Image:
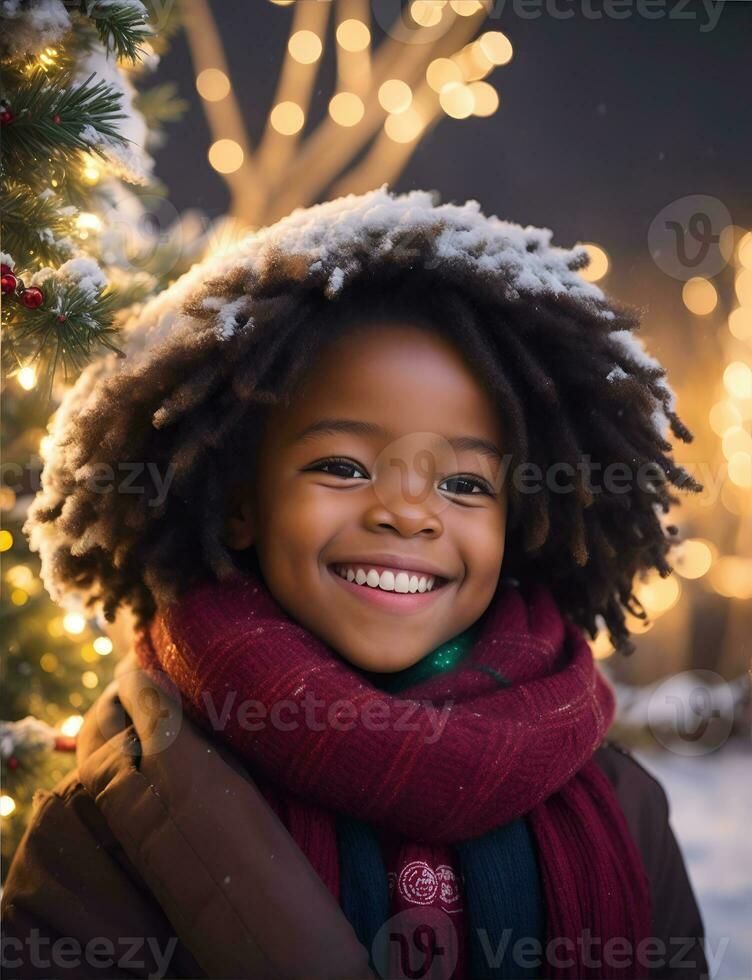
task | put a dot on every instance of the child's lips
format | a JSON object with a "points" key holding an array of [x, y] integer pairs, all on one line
{"points": [[399, 602]]}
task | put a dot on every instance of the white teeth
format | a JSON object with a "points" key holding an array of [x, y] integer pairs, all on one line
{"points": [[387, 580]]}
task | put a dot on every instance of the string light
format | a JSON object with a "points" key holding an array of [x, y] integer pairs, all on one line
{"points": [[213, 84], [466, 8], [395, 95], [700, 296], [740, 322], [427, 13], [74, 623], [6, 540], [496, 47], [72, 725], [441, 72], [287, 118], [457, 100], [353, 35], [485, 98], [738, 379], [27, 378], [599, 263], [90, 172], [404, 127], [694, 557], [305, 47], [346, 109], [225, 156], [7, 805], [103, 645]]}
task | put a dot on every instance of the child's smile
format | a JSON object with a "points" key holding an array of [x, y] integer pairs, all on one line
{"points": [[377, 511]]}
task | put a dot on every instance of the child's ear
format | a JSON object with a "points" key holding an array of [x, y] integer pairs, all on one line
{"points": [[239, 524]]}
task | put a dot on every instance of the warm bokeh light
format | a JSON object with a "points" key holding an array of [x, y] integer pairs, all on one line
{"points": [[89, 679], [473, 64], [441, 72], [456, 100], [27, 378], [212, 84], [20, 576], [601, 646], [404, 127], [49, 662], [346, 108], [731, 576], [7, 805], [225, 156], [6, 540], [353, 35], [72, 725], [657, 594], [744, 251], [496, 47], [599, 263], [74, 623], [287, 118], [723, 415], [19, 597], [738, 379], [427, 13], [88, 221], [744, 287], [485, 98], [693, 557], [395, 95], [700, 296], [740, 322], [736, 440], [103, 645], [740, 469], [305, 47], [466, 8]]}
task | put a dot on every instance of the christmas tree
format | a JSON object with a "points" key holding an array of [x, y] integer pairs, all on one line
{"points": [[76, 183]]}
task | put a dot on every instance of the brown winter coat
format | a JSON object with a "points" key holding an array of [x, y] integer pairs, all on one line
{"points": [[168, 861]]}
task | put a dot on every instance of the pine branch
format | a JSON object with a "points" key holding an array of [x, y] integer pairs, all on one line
{"points": [[121, 26], [72, 324], [160, 104], [36, 227], [79, 110]]}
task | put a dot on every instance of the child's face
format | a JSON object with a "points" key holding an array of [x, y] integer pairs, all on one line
{"points": [[391, 501]]}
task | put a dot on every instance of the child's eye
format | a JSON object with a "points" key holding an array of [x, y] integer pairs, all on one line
{"points": [[337, 466], [468, 481]]}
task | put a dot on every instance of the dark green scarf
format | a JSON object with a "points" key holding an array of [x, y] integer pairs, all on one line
{"points": [[502, 887]]}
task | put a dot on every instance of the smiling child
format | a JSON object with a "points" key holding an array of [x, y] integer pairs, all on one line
{"points": [[360, 731]]}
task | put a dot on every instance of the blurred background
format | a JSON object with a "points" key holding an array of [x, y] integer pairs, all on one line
{"points": [[626, 126]]}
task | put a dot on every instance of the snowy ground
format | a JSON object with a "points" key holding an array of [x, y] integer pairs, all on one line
{"points": [[710, 797]]}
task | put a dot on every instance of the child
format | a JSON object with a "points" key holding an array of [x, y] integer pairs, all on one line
{"points": [[361, 732]]}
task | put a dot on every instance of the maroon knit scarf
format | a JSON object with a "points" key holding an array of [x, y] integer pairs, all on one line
{"points": [[246, 671]]}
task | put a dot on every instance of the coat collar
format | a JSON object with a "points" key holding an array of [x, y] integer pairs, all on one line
{"points": [[240, 893]]}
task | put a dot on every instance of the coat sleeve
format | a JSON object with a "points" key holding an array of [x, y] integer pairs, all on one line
{"points": [[676, 946], [72, 907], [676, 917]]}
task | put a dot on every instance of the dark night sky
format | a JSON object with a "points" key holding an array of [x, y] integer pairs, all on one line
{"points": [[602, 123]]}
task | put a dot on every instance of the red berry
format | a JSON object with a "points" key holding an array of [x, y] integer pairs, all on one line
{"points": [[9, 282], [61, 318], [32, 297], [6, 116], [5, 269], [56, 118]]}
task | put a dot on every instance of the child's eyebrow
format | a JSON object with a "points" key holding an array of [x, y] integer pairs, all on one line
{"points": [[361, 428]]}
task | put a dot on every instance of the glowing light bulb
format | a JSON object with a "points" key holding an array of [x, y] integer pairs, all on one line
{"points": [[738, 379], [395, 95], [305, 47], [404, 127], [225, 156], [457, 100], [212, 84], [346, 109], [287, 118], [700, 296], [27, 378], [353, 35], [72, 725], [599, 263], [496, 47], [7, 805], [74, 623]]}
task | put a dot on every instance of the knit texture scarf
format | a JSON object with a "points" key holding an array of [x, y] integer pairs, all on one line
{"points": [[455, 758]]}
